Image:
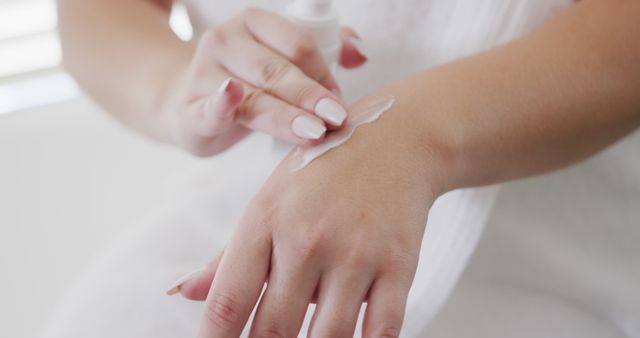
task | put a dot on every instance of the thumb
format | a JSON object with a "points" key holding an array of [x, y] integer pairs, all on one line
{"points": [[352, 54], [196, 285], [215, 114]]}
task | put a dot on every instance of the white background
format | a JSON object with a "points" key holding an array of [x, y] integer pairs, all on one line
{"points": [[70, 181], [70, 178]]}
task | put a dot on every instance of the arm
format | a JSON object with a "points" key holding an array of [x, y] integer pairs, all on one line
{"points": [[124, 54], [551, 99], [348, 228]]}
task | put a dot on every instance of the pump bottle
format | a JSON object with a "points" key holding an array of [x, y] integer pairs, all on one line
{"points": [[323, 21]]}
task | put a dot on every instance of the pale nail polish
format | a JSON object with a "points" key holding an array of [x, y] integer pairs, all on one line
{"points": [[175, 288], [224, 86], [358, 45], [331, 111], [308, 128]]}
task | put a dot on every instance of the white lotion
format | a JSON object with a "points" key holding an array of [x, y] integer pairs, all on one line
{"points": [[321, 19], [302, 157]]}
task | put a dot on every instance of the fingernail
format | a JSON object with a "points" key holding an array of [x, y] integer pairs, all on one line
{"points": [[224, 86], [358, 45], [331, 111], [175, 288], [308, 128]]}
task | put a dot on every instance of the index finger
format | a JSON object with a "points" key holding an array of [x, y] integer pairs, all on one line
{"points": [[291, 41], [238, 284]]}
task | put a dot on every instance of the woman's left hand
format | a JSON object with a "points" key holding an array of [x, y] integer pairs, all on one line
{"points": [[345, 230]]}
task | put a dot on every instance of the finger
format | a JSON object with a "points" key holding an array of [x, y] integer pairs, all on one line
{"points": [[386, 308], [352, 54], [339, 305], [198, 287], [263, 68], [214, 114], [263, 112], [291, 41], [257, 111], [239, 281], [284, 304]]}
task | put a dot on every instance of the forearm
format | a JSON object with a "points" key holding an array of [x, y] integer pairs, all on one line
{"points": [[555, 97], [124, 54]]}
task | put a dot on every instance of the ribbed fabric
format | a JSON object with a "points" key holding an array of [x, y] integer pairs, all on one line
{"points": [[455, 224]]}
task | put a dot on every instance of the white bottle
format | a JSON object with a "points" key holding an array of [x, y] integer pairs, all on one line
{"points": [[323, 21]]}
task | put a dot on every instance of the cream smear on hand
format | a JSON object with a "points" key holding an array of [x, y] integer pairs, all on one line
{"points": [[358, 117]]}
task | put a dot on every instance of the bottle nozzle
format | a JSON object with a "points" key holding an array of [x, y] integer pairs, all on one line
{"points": [[312, 8]]}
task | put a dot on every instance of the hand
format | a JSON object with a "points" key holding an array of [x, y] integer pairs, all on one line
{"points": [[345, 230], [261, 72]]}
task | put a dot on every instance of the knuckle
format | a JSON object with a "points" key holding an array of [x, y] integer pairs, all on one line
{"points": [[388, 332], [303, 47], [214, 38], [309, 248], [325, 78], [223, 310], [358, 259], [250, 102], [402, 261], [401, 270], [360, 254], [272, 72], [303, 92]]}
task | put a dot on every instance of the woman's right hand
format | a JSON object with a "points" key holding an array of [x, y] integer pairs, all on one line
{"points": [[258, 71]]}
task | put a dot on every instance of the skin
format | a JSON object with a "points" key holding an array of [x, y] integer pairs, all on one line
{"points": [[348, 228], [169, 89]]}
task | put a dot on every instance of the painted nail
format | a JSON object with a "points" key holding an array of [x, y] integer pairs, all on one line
{"points": [[175, 288], [331, 111], [358, 45], [224, 86], [308, 128]]}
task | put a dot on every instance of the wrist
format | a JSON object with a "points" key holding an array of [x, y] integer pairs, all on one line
{"points": [[414, 129]]}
